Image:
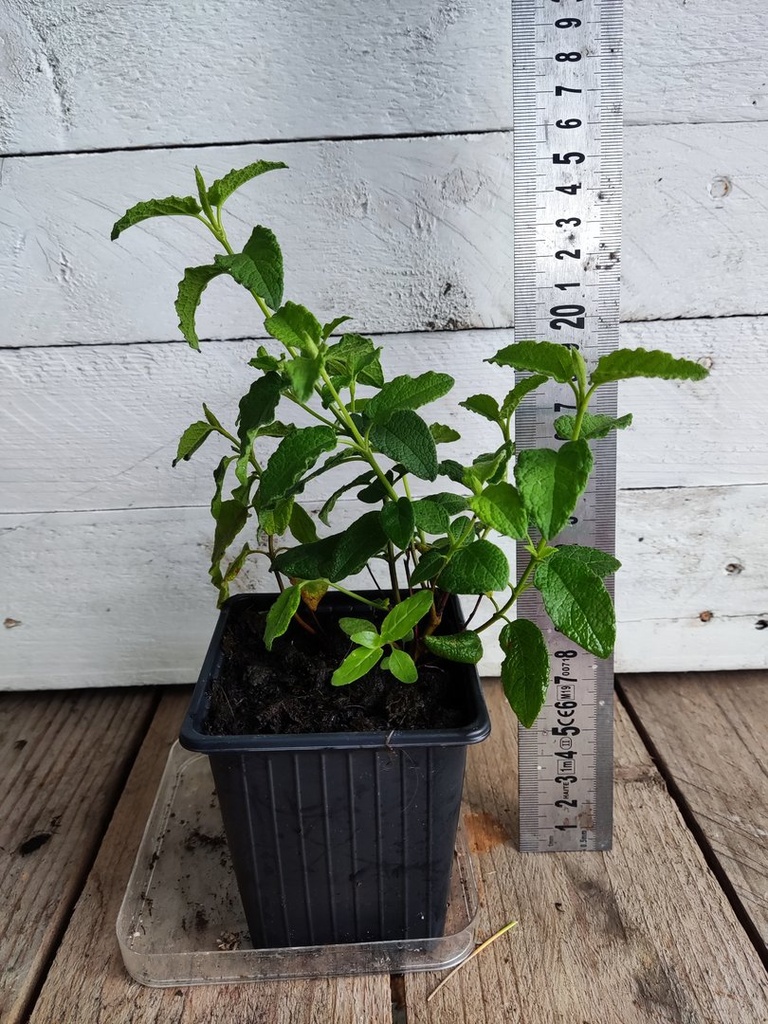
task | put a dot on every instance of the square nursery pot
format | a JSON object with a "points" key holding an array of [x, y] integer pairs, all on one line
{"points": [[339, 837]]}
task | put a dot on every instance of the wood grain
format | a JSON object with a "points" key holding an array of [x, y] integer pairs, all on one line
{"points": [[707, 729], [87, 983], [63, 758], [640, 934]]}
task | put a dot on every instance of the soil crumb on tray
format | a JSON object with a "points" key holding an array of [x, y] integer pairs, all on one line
{"points": [[288, 689]]}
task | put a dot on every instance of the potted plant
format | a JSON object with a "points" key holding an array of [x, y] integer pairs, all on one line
{"points": [[337, 718]]}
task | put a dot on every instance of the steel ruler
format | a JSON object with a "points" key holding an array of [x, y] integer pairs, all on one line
{"points": [[567, 65]]}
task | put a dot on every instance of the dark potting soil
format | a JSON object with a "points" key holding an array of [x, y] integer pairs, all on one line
{"points": [[288, 689]]}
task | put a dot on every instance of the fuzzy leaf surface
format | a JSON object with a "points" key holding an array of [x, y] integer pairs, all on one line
{"points": [[222, 188], [171, 206], [295, 326], [578, 603], [303, 373], [544, 357], [397, 518], [405, 438], [478, 568], [430, 516], [483, 405], [429, 567], [191, 288], [551, 482], [519, 391], [259, 267], [600, 562], [338, 556], [295, 454], [525, 669], [442, 434], [639, 362], [592, 425], [466, 647], [501, 507], [407, 392]]}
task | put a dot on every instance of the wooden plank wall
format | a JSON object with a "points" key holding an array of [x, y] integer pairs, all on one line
{"points": [[396, 122]]}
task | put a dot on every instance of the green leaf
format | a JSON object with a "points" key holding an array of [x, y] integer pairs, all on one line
{"points": [[275, 429], [274, 521], [330, 502], [356, 665], [466, 647], [219, 475], [231, 519], [295, 454], [398, 522], [483, 405], [478, 568], [578, 603], [172, 206], [191, 439], [259, 267], [430, 516], [312, 592], [191, 288], [460, 529], [489, 466], [366, 638], [405, 616], [551, 482], [331, 326], [296, 327], [263, 360], [406, 438], [257, 407], [441, 434], [222, 188], [600, 562], [592, 426], [351, 626], [501, 507], [280, 614], [639, 362], [338, 556], [519, 391], [407, 392], [375, 491], [233, 569], [543, 357], [355, 358], [525, 669], [202, 193], [402, 666], [428, 568], [301, 525], [452, 469], [303, 373], [452, 503]]}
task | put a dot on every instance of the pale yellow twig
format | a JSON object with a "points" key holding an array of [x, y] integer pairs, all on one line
{"points": [[475, 952]]}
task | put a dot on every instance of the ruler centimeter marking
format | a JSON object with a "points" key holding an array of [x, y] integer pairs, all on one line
{"points": [[567, 69]]}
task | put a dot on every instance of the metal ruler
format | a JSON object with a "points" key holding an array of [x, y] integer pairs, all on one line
{"points": [[567, 196]]}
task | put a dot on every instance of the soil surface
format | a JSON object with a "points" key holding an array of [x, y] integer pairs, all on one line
{"points": [[288, 689]]}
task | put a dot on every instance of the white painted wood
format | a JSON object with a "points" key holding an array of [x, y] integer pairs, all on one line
{"points": [[378, 229], [115, 73], [97, 427], [121, 597], [400, 233]]}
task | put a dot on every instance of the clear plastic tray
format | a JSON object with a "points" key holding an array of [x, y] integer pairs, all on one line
{"points": [[181, 922]]}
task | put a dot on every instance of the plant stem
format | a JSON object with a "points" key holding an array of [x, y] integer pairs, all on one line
{"points": [[359, 597]]}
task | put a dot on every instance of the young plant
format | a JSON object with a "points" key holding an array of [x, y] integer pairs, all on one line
{"points": [[372, 428]]}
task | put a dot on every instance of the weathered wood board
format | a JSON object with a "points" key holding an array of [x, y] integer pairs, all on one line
{"points": [[63, 758], [73, 83], [708, 730], [125, 598], [402, 234], [640, 935], [88, 983]]}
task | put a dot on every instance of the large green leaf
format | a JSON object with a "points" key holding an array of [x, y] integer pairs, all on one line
{"points": [[578, 603], [191, 288], [600, 562], [296, 327], [501, 507], [478, 568], [525, 669], [405, 616], [222, 188], [258, 405], [356, 665], [550, 483], [639, 362], [171, 206], [466, 647], [398, 522], [407, 392], [592, 425], [295, 454], [338, 556], [405, 438], [543, 357], [430, 516], [259, 267], [280, 614], [191, 439], [519, 391], [483, 405]]}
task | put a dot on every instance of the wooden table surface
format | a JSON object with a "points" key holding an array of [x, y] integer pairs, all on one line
{"points": [[669, 926]]}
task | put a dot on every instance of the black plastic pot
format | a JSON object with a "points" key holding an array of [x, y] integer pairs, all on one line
{"points": [[339, 837]]}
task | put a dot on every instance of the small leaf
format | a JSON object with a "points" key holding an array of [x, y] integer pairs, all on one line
{"points": [[355, 358], [483, 405], [551, 482], [264, 361], [233, 569], [202, 193], [478, 568], [191, 439], [274, 521], [501, 507], [257, 407], [405, 616], [407, 392], [295, 454], [330, 502], [428, 568], [330, 327], [303, 374], [222, 188], [525, 669], [519, 391], [312, 592], [452, 469], [600, 562], [219, 475], [191, 288], [578, 603], [356, 665], [638, 362], [375, 491], [442, 434], [466, 647], [296, 327], [592, 426], [402, 666], [398, 522], [430, 516], [301, 525], [231, 519], [259, 267], [544, 357], [351, 626], [406, 438], [366, 638], [172, 206], [280, 614]]}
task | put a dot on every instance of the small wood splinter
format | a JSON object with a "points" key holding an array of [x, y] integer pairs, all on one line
{"points": [[475, 952]]}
